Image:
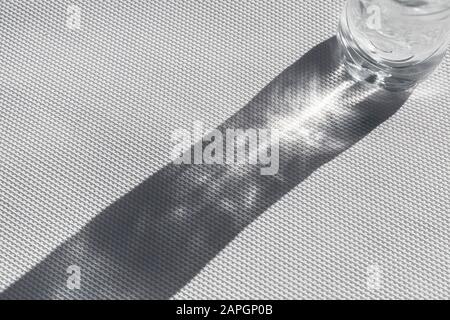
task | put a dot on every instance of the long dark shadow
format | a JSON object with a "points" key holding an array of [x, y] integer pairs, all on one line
{"points": [[156, 238]]}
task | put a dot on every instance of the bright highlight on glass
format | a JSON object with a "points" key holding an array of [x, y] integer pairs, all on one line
{"points": [[395, 43]]}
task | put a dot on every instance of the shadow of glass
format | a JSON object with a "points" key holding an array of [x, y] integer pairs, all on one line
{"points": [[156, 238]]}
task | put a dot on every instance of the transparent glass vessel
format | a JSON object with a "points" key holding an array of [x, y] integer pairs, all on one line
{"points": [[395, 43]]}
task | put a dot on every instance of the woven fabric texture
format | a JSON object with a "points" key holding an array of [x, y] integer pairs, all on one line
{"points": [[86, 115]]}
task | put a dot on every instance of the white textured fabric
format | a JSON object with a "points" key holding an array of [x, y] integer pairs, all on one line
{"points": [[86, 115]]}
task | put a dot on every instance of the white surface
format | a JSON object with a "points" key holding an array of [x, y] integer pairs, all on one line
{"points": [[86, 115]]}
